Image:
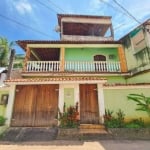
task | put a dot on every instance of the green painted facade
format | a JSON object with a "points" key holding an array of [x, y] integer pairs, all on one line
{"points": [[115, 79], [87, 54], [116, 99]]}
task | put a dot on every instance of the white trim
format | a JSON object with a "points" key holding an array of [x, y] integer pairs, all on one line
{"points": [[46, 74], [101, 104], [61, 94], [61, 99], [9, 109], [77, 93]]}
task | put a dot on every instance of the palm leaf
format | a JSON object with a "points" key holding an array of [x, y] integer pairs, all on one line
{"points": [[142, 102]]}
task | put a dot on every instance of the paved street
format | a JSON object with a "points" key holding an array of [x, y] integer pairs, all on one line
{"points": [[79, 145]]}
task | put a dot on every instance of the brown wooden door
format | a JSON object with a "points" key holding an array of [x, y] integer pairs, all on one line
{"points": [[89, 112], [35, 105]]}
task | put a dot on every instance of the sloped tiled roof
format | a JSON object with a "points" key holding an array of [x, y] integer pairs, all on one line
{"points": [[31, 80], [23, 43]]}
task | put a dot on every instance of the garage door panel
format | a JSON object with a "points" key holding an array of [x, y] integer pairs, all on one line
{"points": [[46, 105], [35, 105]]}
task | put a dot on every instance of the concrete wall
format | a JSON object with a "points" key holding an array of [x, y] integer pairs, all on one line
{"points": [[3, 107], [116, 98]]}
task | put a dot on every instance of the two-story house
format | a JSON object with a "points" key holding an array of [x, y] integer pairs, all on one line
{"points": [[77, 68]]}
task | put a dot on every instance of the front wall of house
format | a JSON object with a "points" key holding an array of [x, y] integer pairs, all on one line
{"points": [[115, 79], [2, 106], [87, 54], [116, 99]]}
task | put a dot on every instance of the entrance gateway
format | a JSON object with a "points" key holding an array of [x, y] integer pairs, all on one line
{"points": [[37, 105]]}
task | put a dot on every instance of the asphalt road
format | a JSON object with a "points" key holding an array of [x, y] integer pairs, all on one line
{"points": [[78, 145]]}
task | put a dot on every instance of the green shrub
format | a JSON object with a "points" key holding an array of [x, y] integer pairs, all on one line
{"points": [[2, 120], [135, 123], [111, 121], [69, 119], [108, 114]]}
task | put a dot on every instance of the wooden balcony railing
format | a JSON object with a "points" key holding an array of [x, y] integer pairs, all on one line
{"points": [[73, 66]]}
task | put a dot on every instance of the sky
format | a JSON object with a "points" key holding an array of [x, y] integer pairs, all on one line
{"points": [[36, 19]]}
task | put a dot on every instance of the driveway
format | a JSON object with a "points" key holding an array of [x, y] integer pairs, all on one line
{"points": [[78, 145]]}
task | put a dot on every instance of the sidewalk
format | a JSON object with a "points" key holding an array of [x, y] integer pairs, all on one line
{"points": [[78, 145]]}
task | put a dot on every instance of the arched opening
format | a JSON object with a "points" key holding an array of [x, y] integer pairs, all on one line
{"points": [[99, 58], [99, 64]]}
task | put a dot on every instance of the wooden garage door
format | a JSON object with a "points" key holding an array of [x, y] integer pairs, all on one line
{"points": [[89, 112], [35, 105]]}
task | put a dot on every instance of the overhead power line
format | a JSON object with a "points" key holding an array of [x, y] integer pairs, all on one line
{"points": [[56, 6], [23, 25], [127, 12], [43, 4], [110, 5], [131, 15]]}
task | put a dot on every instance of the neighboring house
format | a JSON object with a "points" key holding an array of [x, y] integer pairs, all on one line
{"points": [[3, 75], [3, 90], [137, 51], [86, 66]]}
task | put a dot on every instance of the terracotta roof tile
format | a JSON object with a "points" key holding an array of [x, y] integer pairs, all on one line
{"points": [[55, 79]]}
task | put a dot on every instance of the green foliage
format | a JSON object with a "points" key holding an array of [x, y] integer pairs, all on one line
{"points": [[114, 121], [142, 102], [2, 120], [135, 123], [69, 119], [117, 120], [5, 47], [108, 114], [18, 65]]}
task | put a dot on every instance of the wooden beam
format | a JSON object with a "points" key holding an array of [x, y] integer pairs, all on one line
{"points": [[122, 59], [35, 55], [27, 57], [73, 45]]}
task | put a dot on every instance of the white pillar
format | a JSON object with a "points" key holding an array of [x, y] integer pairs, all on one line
{"points": [[9, 108], [77, 97], [76, 93], [101, 104], [61, 97]]}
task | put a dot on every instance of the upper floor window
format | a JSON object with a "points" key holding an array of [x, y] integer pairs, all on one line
{"points": [[99, 58]]}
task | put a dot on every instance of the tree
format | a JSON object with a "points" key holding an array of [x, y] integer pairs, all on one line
{"points": [[142, 102], [5, 48]]}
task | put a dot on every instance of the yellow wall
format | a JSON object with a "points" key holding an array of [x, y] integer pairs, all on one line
{"points": [[3, 107], [116, 99]]}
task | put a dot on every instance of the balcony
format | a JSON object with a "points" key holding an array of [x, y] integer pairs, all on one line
{"points": [[73, 66]]}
